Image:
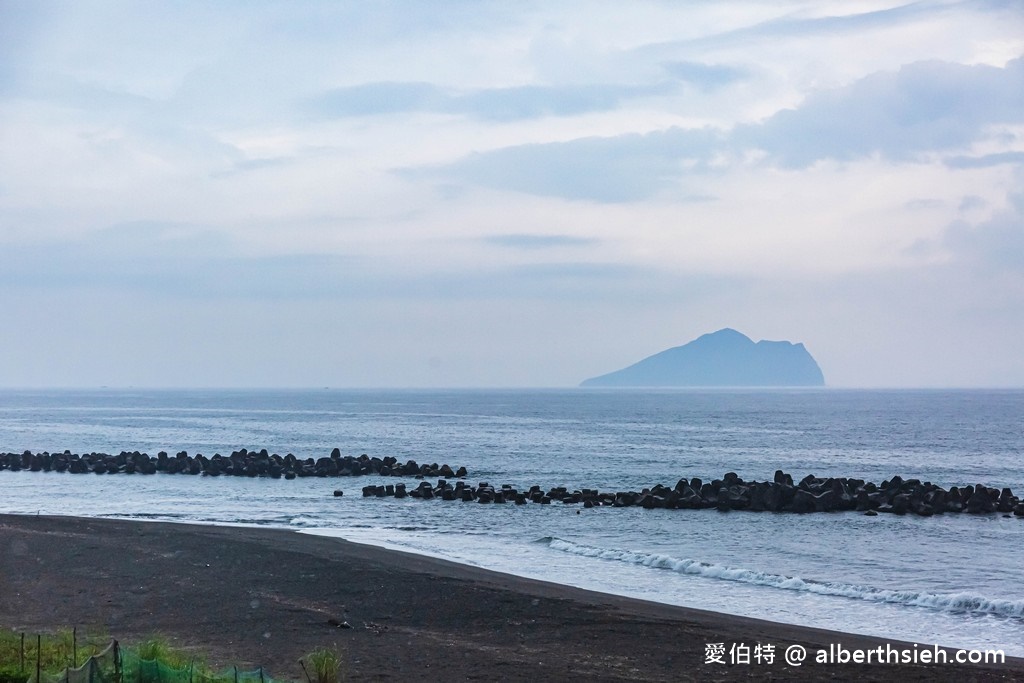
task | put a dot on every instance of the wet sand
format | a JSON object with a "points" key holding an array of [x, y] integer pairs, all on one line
{"points": [[255, 596]]}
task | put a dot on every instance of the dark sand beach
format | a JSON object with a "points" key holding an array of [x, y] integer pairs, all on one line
{"points": [[266, 597]]}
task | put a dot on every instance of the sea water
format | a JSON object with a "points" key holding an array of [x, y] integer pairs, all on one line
{"points": [[956, 580]]}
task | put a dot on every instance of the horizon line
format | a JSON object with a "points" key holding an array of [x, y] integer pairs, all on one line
{"points": [[559, 387]]}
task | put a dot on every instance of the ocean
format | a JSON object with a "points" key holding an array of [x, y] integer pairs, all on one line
{"points": [[954, 579]]}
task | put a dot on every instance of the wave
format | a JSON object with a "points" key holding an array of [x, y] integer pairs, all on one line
{"points": [[158, 516], [966, 603], [304, 520]]}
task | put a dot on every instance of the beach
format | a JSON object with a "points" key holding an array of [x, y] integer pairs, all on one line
{"points": [[265, 597]]}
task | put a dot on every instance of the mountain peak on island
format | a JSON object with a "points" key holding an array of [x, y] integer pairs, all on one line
{"points": [[726, 358], [726, 335]]}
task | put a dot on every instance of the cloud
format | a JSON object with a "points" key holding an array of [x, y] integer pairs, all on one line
{"points": [[534, 242], [844, 23], [19, 25], [381, 98], [491, 104], [174, 260], [794, 25], [985, 160], [705, 76], [535, 101], [924, 107], [502, 170], [616, 169]]}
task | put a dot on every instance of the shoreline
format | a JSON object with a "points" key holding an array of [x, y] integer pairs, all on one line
{"points": [[266, 596]]}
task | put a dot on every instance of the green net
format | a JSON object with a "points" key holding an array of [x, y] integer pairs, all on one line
{"points": [[117, 665], [254, 676], [137, 670], [103, 667]]}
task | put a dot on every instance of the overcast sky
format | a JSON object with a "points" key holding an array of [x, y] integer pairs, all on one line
{"points": [[458, 193]]}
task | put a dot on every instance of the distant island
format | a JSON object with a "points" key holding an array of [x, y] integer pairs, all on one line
{"points": [[725, 358]]}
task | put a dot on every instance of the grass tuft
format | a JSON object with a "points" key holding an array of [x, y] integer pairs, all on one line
{"points": [[158, 649], [326, 665]]}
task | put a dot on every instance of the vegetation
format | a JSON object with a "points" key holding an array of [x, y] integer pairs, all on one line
{"points": [[157, 649], [56, 651], [150, 659], [326, 664]]}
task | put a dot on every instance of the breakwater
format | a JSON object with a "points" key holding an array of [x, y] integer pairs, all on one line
{"points": [[811, 494], [782, 494], [241, 463]]}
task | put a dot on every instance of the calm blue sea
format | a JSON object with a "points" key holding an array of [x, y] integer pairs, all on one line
{"points": [[957, 580]]}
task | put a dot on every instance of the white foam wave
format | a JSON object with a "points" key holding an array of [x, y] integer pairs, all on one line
{"points": [[957, 602], [305, 520]]}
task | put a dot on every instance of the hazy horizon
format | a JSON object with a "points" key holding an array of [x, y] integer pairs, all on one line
{"points": [[499, 388], [484, 195]]}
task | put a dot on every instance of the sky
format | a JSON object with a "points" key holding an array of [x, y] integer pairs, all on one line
{"points": [[507, 194]]}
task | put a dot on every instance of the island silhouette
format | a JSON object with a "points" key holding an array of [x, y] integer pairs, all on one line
{"points": [[725, 358]]}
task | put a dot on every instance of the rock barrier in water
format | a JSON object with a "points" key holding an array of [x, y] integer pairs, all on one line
{"points": [[241, 463], [811, 494]]}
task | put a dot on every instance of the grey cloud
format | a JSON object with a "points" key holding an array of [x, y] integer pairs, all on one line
{"points": [[495, 104], [705, 76], [617, 169], [924, 107], [527, 241], [985, 160], [536, 101]]}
